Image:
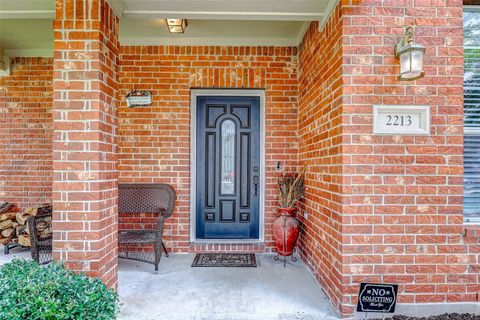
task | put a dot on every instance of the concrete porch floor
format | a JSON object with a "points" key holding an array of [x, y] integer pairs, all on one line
{"points": [[180, 292]]}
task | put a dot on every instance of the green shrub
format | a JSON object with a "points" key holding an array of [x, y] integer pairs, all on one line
{"points": [[34, 292]]}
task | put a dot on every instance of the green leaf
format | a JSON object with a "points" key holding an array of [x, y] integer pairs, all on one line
{"points": [[34, 292]]}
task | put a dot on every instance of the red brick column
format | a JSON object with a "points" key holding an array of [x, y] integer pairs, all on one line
{"points": [[385, 208], [402, 194], [84, 146]]}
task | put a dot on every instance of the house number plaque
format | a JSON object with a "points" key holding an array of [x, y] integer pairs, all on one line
{"points": [[401, 119]]}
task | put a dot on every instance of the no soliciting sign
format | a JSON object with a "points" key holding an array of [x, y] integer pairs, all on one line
{"points": [[375, 297]]}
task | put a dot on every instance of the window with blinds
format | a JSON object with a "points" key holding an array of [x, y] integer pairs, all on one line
{"points": [[471, 86]]}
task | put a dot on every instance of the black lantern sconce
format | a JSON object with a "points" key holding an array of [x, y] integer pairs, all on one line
{"points": [[411, 57]]}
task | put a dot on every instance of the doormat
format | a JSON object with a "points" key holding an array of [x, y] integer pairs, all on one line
{"points": [[225, 260]]}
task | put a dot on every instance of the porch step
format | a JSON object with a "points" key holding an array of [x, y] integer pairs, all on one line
{"points": [[199, 247]]}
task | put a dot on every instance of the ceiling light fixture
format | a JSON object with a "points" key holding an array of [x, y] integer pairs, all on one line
{"points": [[176, 25]]}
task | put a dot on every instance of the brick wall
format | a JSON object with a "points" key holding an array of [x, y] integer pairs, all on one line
{"points": [[26, 132], [320, 120], [84, 146], [154, 141], [380, 208], [402, 214], [390, 208]]}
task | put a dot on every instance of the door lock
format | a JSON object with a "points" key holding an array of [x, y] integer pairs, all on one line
{"points": [[255, 185]]}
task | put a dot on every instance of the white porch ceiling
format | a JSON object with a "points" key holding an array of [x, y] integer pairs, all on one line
{"points": [[25, 25], [23, 38], [284, 10], [212, 32]]}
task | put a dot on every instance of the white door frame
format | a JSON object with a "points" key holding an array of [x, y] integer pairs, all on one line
{"points": [[193, 163]]}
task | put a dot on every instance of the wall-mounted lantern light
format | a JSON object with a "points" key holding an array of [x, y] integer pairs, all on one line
{"points": [[411, 57], [176, 25]]}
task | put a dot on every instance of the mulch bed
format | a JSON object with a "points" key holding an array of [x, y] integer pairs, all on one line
{"points": [[445, 316]]}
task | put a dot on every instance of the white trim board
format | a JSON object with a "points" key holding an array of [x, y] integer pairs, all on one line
{"points": [[302, 33], [185, 41], [328, 12], [27, 14], [29, 52], [193, 168], [225, 15]]}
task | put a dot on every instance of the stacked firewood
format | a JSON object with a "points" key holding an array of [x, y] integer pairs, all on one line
{"points": [[14, 223]]}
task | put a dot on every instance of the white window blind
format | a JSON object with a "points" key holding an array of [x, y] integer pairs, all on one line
{"points": [[471, 25]]}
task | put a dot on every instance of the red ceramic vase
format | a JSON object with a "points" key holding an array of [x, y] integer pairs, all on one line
{"points": [[286, 231]]}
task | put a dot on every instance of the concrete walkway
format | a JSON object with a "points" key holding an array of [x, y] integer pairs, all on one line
{"points": [[180, 292], [14, 253]]}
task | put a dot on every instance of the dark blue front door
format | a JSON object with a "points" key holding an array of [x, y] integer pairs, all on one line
{"points": [[228, 167]]}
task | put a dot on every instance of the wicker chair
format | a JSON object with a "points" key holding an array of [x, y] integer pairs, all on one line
{"points": [[145, 198], [40, 227]]}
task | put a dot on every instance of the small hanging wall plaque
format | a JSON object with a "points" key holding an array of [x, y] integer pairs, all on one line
{"points": [[137, 98], [377, 297]]}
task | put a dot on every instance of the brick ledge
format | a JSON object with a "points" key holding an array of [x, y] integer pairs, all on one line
{"points": [[196, 247]]}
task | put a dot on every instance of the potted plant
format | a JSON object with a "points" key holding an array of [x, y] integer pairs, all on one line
{"points": [[286, 227]]}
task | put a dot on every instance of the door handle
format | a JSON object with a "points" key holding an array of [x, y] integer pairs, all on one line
{"points": [[255, 185]]}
